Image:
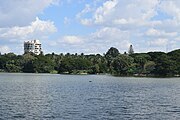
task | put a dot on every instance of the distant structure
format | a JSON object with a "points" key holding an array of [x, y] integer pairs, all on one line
{"points": [[130, 51], [33, 46]]}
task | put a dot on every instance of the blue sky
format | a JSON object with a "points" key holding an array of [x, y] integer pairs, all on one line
{"points": [[90, 26]]}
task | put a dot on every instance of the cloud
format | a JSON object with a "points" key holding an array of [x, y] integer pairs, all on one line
{"points": [[157, 33], [15, 36], [172, 8], [4, 49], [121, 21], [123, 12], [111, 36], [21, 12], [104, 11], [86, 22], [95, 42], [37, 29], [158, 42], [107, 37], [164, 44], [86, 10], [149, 23], [72, 40]]}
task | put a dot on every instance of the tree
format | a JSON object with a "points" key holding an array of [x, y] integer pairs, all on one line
{"points": [[121, 64], [164, 66], [131, 51], [43, 64], [3, 60], [174, 55], [140, 60], [112, 52], [69, 64], [149, 66], [152, 63], [110, 55], [27, 63], [94, 69], [11, 67]]}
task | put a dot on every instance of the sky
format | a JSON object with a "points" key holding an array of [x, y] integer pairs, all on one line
{"points": [[90, 26]]}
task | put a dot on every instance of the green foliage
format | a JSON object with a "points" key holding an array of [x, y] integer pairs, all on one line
{"points": [[140, 61], [11, 66], [43, 64], [112, 52], [27, 63], [121, 65], [69, 64], [175, 56], [3, 60], [146, 64], [149, 66], [164, 66], [110, 55], [94, 69]]}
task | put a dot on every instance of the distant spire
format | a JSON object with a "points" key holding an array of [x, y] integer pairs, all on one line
{"points": [[131, 51]]}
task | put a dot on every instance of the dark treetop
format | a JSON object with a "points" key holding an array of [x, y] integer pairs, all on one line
{"points": [[139, 64]]}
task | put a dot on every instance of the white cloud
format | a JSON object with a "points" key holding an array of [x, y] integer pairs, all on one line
{"points": [[124, 12], [37, 29], [4, 49], [156, 22], [86, 22], [147, 24], [153, 32], [71, 40], [21, 12], [158, 42], [107, 37], [13, 37], [121, 21], [177, 39], [103, 11], [172, 8], [87, 9], [96, 42]]}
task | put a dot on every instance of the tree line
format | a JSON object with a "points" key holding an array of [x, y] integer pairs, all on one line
{"points": [[112, 62]]}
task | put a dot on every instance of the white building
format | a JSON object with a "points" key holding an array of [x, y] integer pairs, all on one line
{"points": [[33, 46]]}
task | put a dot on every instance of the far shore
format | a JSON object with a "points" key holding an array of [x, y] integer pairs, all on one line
{"points": [[83, 74]]}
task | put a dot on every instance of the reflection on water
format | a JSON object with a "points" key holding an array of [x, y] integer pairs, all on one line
{"points": [[43, 96]]}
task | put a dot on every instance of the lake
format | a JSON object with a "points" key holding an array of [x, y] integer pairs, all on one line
{"points": [[87, 97]]}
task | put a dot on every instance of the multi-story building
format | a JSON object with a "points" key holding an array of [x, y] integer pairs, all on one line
{"points": [[33, 46]]}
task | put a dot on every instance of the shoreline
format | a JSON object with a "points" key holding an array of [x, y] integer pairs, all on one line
{"points": [[136, 76]]}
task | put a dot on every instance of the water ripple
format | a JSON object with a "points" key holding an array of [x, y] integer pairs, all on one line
{"points": [[59, 97]]}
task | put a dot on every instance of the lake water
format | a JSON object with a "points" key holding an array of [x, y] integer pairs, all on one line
{"points": [[88, 97]]}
